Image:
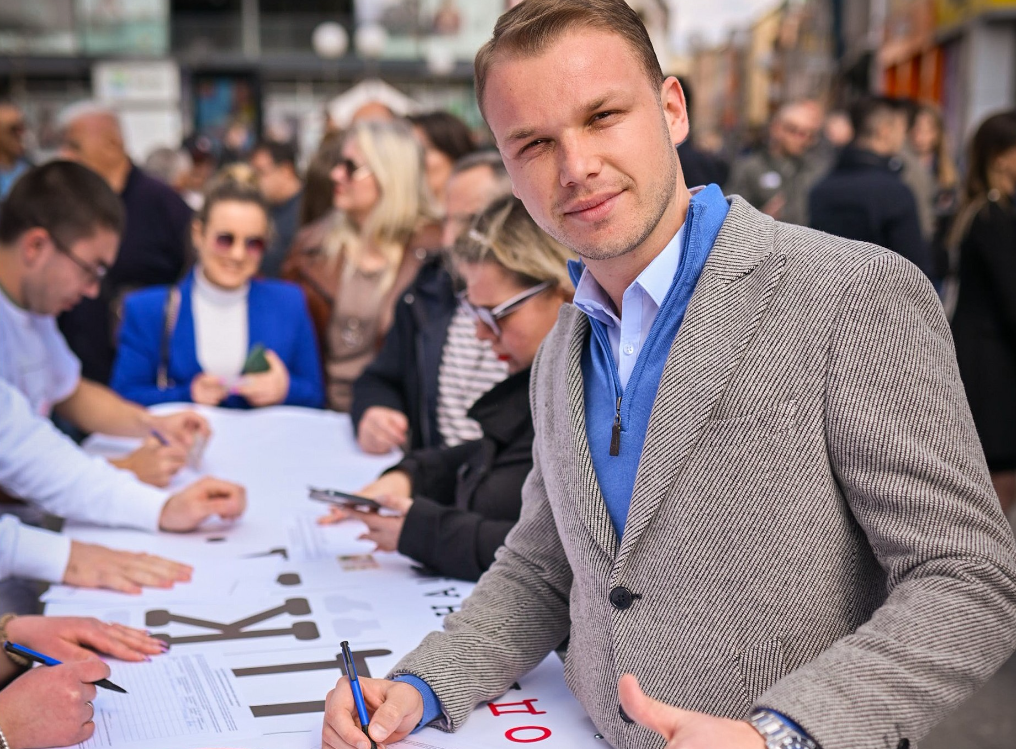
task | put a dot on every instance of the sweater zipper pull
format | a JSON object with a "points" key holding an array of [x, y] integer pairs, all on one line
{"points": [[615, 432]]}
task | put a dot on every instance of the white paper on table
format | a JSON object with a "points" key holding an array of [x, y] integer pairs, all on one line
{"points": [[211, 580], [311, 542], [176, 700], [542, 712]]}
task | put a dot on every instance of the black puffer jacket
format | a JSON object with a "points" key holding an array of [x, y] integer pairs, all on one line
{"points": [[466, 498]]}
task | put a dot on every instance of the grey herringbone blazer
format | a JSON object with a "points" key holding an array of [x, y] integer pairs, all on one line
{"points": [[812, 527]]}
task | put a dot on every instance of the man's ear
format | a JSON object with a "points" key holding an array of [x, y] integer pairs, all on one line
{"points": [[675, 110], [34, 246]]}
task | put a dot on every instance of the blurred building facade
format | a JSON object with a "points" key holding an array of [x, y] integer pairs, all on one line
{"points": [[178, 66]]}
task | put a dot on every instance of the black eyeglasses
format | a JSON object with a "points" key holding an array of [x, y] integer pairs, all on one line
{"points": [[225, 240], [490, 315], [352, 169], [95, 273]]}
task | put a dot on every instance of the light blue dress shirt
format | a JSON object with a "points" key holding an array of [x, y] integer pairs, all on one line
{"points": [[639, 305]]}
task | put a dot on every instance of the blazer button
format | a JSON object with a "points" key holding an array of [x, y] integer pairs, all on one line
{"points": [[624, 715], [621, 598]]}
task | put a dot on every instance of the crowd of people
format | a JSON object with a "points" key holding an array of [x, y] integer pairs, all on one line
{"points": [[705, 348]]}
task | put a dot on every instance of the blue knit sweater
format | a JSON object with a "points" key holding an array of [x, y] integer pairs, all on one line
{"points": [[608, 405]]}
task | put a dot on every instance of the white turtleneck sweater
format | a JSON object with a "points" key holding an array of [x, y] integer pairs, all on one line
{"points": [[220, 326]]}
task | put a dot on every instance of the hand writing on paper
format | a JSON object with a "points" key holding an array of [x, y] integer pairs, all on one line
{"points": [[684, 729], [51, 706], [154, 463], [394, 708], [382, 429], [78, 638], [199, 501], [208, 390], [266, 388], [182, 427], [92, 566]]}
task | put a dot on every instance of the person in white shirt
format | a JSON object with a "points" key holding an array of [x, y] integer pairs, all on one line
{"points": [[59, 233], [88, 489], [42, 707]]}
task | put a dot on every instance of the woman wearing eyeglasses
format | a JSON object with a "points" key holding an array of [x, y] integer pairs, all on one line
{"points": [[356, 273], [451, 508], [221, 337]]}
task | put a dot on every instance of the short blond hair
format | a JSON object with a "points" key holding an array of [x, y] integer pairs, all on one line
{"points": [[505, 234], [532, 25]]}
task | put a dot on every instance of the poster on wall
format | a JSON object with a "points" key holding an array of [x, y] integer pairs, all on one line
{"points": [[227, 110]]}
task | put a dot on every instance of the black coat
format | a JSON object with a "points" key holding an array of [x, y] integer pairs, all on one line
{"points": [[984, 328], [404, 375], [466, 498], [863, 198]]}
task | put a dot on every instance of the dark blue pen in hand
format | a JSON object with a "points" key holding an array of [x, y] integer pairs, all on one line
{"points": [[354, 683], [45, 660]]}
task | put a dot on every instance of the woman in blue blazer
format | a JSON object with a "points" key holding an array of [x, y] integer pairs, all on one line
{"points": [[221, 337]]}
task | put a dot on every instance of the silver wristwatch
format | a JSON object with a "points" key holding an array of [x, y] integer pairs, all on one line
{"points": [[777, 733]]}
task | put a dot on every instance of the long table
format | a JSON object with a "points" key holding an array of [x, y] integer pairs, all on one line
{"points": [[254, 637]]}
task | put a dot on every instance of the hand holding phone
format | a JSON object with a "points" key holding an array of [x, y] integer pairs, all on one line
{"points": [[342, 499], [256, 362]]}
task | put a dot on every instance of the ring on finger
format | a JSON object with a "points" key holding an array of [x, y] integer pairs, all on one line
{"points": [[92, 708]]}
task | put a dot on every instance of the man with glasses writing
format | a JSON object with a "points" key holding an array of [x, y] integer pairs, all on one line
{"points": [[59, 233]]}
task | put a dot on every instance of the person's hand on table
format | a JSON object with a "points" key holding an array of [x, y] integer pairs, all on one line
{"points": [[394, 708], [188, 509], [208, 390], [154, 463], [182, 428], [93, 566], [396, 486], [77, 638], [684, 729], [266, 388], [51, 706], [382, 429]]}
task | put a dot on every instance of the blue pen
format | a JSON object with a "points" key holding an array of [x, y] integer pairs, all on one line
{"points": [[159, 436], [354, 683], [45, 660]]}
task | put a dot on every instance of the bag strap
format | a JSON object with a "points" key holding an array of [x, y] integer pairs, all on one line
{"points": [[170, 312]]}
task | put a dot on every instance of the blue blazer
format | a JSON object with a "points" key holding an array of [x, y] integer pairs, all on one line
{"points": [[277, 317]]}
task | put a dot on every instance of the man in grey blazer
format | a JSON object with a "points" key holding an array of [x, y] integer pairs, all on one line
{"points": [[785, 533]]}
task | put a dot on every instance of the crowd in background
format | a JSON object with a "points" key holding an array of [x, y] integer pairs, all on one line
{"points": [[371, 321]]}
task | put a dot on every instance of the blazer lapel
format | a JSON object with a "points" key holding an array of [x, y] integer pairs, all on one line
{"points": [[591, 505], [732, 295]]}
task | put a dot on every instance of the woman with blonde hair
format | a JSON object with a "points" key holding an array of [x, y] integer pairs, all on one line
{"points": [[354, 276], [451, 508]]}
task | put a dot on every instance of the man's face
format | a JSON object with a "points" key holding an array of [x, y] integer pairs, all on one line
{"points": [[12, 132], [90, 141], [795, 131], [466, 194], [896, 131], [59, 277], [271, 177], [588, 146]]}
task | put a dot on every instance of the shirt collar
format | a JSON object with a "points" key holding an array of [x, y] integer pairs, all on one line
{"points": [[655, 280]]}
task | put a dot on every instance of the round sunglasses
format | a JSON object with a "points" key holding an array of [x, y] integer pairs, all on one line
{"points": [[225, 240]]}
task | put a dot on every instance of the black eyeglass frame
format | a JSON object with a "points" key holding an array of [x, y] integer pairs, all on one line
{"points": [[95, 273], [490, 315]]}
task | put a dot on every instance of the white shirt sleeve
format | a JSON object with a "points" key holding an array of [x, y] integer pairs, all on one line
{"points": [[43, 466], [32, 552], [64, 366]]}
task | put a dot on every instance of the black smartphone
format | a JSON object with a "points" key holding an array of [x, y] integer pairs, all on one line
{"points": [[256, 361], [343, 499]]}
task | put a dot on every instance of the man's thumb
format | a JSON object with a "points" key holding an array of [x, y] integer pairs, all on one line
{"points": [[643, 709]]}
